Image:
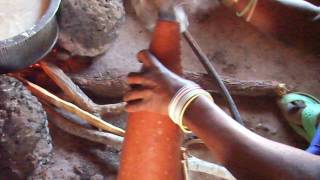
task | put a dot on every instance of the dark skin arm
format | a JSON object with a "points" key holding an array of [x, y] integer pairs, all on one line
{"points": [[246, 154], [295, 22]]}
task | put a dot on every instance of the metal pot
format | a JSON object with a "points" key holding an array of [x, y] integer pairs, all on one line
{"points": [[28, 47]]}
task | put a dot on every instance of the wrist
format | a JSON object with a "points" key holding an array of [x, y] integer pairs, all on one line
{"points": [[182, 100]]}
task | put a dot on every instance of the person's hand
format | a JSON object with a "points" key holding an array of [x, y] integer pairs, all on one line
{"points": [[153, 88]]}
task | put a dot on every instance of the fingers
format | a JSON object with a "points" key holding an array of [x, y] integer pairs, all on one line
{"points": [[148, 59], [137, 100], [137, 95], [135, 78], [136, 106]]}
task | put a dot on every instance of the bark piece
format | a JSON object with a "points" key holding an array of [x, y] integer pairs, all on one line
{"points": [[88, 27], [25, 142], [238, 87], [113, 84]]}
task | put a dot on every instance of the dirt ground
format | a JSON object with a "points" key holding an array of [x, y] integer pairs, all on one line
{"points": [[236, 49]]}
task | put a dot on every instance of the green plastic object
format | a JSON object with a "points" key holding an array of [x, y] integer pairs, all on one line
{"points": [[309, 114]]}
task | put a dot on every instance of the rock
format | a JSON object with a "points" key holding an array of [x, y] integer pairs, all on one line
{"points": [[88, 27], [25, 143]]}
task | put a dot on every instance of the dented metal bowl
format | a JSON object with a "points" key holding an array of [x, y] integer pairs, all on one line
{"points": [[28, 47]]}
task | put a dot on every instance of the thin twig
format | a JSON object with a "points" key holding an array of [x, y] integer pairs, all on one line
{"points": [[80, 131], [198, 165], [69, 107], [184, 157]]}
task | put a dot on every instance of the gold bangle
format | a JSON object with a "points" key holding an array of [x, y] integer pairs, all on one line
{"points": [[180, 102], [181, 125], [249, 9]]}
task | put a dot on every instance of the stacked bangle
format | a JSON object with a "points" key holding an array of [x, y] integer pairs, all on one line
{"points": [[249, 9], [180, 102]]}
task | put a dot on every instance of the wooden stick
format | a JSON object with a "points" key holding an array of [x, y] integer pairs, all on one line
{"points": [[198, 165], [238, 87], [76, 94], [114, 85], [77, 130], [59, 103], [185, 168]]}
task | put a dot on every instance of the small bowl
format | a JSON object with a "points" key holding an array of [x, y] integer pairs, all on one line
{"points": [[28, 47]]}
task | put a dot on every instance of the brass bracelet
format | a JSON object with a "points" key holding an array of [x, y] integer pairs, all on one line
{"points": [[181, 101], [249, 9]]}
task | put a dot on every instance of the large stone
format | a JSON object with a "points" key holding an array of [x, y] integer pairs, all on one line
{"points": [[25, 143], [88, 27]]}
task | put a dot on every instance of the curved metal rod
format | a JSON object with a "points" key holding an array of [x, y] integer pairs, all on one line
{"points": [[214, 74]]}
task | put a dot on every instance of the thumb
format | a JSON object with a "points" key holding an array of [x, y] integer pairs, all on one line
{"points": [[148, 59]]}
